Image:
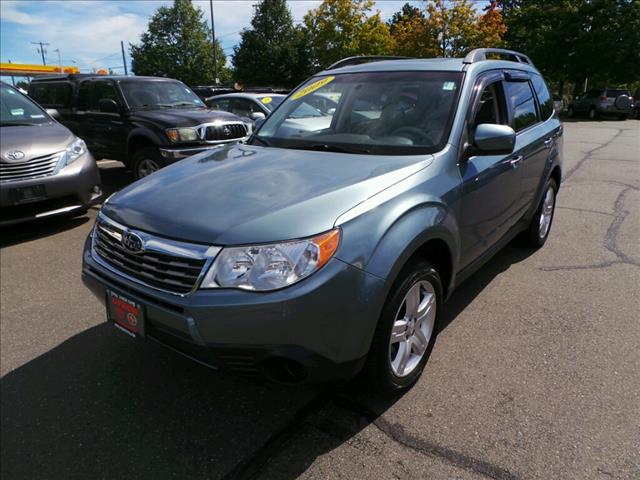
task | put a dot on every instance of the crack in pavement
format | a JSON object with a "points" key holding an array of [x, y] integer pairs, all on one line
{"points": [[589, 153], [586, 210], [610, 239], [397, 433]]}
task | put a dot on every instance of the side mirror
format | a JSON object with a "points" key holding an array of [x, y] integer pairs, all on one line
{"points": [[258, 123], [53, 113], [108, 105], [257, 116], [491, 139]]}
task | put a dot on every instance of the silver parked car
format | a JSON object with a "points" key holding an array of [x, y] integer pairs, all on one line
{"points": [[44, 169], [602, 101]]}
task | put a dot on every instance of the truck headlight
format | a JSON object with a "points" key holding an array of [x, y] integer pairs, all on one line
{"points": [[178, 135], [272, 266], [74, 151]]}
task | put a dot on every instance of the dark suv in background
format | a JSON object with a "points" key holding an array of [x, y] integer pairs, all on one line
{"points": [[602, 101], [145, 122]]}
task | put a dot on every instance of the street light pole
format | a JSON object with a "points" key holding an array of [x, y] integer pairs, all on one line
{"points": [[124, 61], [59, 59], [213, 44]]}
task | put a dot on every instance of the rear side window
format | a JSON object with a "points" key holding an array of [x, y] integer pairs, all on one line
{"points": [[544, 97], [523, 106], [223, 104], [52, 95], [84, 96], [616, 92]]}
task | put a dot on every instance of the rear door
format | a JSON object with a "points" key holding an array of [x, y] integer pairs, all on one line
{"points": [[490, 183], [530, 152], [108, 129]]}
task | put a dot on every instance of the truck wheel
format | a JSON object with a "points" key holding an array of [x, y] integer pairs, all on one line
{"points": [[406, 331], [146, 161], [538, 230]]}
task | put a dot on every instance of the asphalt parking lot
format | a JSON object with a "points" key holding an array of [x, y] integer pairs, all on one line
{"points": [[535, 374]]}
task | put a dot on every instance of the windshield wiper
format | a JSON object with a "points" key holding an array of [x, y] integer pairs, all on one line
{"points": [[325, 147], [16, 124]]}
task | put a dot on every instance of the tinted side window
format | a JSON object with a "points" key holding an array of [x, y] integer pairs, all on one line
{"points": [[84, 96], [52, 95], [544, 98], [103, 91], [242, 107], [520, 98]]}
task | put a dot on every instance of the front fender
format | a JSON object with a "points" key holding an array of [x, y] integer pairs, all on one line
{"points": [[382, 240]]}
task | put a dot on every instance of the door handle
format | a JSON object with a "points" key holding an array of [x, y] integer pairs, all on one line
{"points": [[548, 142], [515, 161]]}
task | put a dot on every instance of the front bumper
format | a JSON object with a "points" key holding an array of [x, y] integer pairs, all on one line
{"points": [[73, 188], [317, 330]]}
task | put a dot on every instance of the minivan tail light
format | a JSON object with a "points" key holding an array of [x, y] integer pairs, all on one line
{"points": [[603, 98]]}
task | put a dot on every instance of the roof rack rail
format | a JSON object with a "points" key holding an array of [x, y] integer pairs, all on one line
{"points": [[362, 59], [480, 54]]}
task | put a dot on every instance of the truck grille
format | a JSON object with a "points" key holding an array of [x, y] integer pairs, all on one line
{"points": [[227, 131], [36, 167], [154, 266]]}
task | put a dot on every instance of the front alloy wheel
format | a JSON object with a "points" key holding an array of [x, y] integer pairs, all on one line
{"points": [[146, 167], [412, 328], [407, 328]]}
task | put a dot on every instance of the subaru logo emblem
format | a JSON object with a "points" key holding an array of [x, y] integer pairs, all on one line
{"points": [[132, 242], [15, 155]]}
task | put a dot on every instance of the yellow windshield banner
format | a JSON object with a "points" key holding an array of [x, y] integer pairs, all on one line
{"points": [[267, 100], [312, 87]]}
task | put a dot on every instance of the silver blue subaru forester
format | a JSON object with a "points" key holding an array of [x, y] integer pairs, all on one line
{"points": [[326, 245]]}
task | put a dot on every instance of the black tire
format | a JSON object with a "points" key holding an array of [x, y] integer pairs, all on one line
{"points": [[593, 114], [531, 237], [143, 159], [571, 112], [378, 372]]}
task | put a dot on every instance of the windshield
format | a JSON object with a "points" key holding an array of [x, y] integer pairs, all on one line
{"points": [[395, 113], [271, 101], [18, 109], [155, 94]]}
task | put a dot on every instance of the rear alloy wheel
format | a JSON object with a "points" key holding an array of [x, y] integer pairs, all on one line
{"points": [[537, 232], [406, 331], [146, 161]]}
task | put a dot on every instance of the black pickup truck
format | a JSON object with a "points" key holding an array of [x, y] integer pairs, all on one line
{"points": [[145, 122]]}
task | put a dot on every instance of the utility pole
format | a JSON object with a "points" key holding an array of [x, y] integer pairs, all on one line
{"points": [[124, 60], [42, 50], [213, 44]]}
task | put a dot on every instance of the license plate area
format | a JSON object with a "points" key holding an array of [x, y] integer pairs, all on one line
{"points": [[32, 193], [125, 313]]}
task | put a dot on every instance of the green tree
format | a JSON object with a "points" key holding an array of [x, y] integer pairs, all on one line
{"points": [[273, 51], [177, 44], [574, 40], [343, 28]]}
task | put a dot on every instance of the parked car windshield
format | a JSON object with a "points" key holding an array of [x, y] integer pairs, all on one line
{"points": [[395, 113], [616, 92], [271, 101], [17, 109], [155, 94]]}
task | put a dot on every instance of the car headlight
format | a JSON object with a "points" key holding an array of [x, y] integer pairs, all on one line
{"points": [[272, 266], [177, 135], [74, 151]]}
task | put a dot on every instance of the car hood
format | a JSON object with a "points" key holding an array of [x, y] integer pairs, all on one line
{"points": [[33, 140], [249, 194], [184, 117]]}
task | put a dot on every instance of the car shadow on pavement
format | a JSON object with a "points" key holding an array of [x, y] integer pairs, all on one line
{"points": [[101, 406]]}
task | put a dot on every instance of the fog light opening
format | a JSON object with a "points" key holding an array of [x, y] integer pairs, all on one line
{"points": [[284, 370]]}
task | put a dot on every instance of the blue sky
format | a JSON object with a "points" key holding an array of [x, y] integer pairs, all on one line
{"points": [[88, 32]]}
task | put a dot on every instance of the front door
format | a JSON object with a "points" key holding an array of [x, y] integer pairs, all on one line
{"points": [[109, 132], [490, 183]]}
